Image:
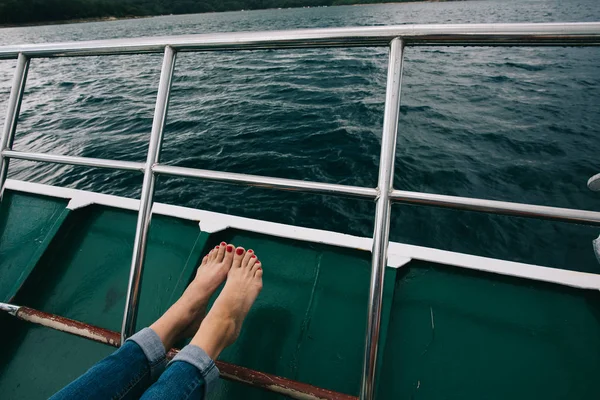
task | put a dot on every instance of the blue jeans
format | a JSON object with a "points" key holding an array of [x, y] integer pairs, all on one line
{"points": [[135, 371]]}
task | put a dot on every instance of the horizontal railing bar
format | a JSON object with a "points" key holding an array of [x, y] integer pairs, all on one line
{"points": [[419, 198], [267, 182], [521, 34], [497, 207], [72, 160]]}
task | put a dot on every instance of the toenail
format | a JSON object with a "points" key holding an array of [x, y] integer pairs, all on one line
{"points": [[253, 257], [239, 251], [229, 249], [216, 247], [250, 251], [223, 243], [259, 268]]}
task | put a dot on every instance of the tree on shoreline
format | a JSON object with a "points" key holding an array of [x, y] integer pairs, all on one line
{"points": [[15, 12]]}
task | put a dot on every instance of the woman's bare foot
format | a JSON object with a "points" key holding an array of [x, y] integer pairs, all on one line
{"points": [[183, 318], [222, 325]]}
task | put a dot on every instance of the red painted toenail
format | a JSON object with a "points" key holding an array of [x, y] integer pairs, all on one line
{"points": [[239, 251], [259, 268], [258, 262], [229, 249], [253, 257], [250, 251], [216, 247], [223, 243]]}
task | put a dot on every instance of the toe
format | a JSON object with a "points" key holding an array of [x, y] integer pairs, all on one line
{"points": [[252, 260], [238, 257], [204, 260], [255, 265], [221, 252], [247, 257], [214, 253], [229, 254], [259, 272]]}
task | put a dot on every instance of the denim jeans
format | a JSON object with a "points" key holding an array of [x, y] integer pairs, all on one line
{"points": [[137, 371]]}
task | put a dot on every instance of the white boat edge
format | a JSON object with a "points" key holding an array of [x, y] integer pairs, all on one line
{"points": [[399, 254]]}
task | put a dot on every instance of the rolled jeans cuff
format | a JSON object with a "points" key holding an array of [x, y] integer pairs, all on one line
{"points": [[153, 349], [197, 357]]}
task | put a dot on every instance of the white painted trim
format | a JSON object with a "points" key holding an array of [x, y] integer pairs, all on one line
{"points": [[210, 222], [397, 260], [398, 255], [575, 279], [79, 202]]}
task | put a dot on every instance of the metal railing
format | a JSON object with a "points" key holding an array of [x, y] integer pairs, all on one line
{"points": [[395, 37]]}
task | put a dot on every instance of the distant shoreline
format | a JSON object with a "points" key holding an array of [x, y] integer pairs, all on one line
{"points": [[112, 18], [75, 21]]}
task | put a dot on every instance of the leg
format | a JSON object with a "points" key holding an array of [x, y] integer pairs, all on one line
{"points": [[192, 373], [130, 370], [125, 374]]}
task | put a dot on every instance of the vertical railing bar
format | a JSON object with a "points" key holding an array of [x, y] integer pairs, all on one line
{"points": [[382, 216], [147, 196], [12, 115]]}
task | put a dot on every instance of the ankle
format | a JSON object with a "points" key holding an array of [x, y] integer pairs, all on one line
{"points": [[195, 296], [215, 334], [172, 325]]}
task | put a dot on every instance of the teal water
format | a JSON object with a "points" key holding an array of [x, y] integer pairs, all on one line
{"points": [[518, 124]]}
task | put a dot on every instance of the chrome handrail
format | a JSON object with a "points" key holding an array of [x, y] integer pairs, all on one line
{"points": [[520, 34], [546, 34], [268, 182], [383, 210], [147, 195], [73, 160], [12, 116]]}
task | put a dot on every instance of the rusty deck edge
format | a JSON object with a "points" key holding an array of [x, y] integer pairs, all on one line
{"points": [[269, 382]]}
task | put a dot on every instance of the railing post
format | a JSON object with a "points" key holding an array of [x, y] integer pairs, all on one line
{"points": [[382, 216], [12, 115], [146, 199]]}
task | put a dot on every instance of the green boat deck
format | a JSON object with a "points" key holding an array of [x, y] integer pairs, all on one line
{"points": [[447, 332]]}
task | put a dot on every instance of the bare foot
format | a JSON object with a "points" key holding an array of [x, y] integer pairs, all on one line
{"points": [[222, 325], [183, 318]]}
